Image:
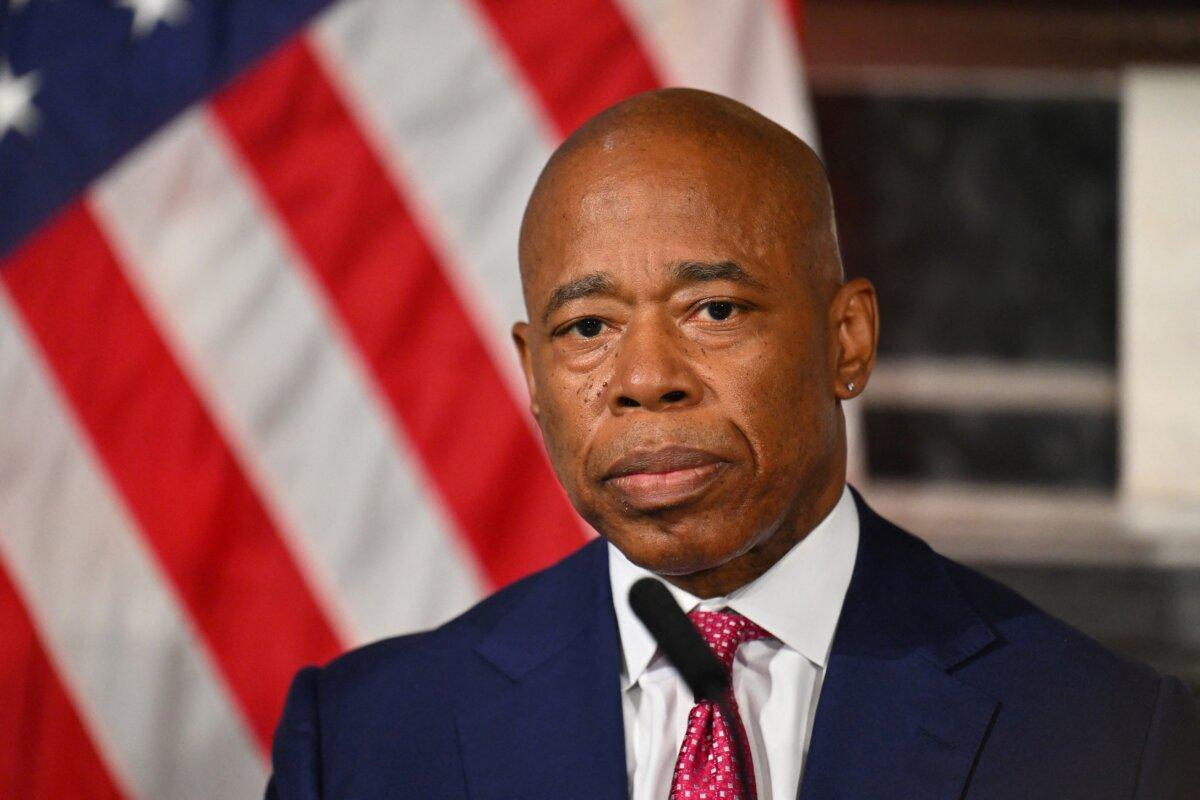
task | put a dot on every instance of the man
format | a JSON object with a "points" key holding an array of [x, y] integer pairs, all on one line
{"points": [[690, 341]]}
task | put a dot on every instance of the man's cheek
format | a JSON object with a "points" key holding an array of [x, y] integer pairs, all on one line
{"points": [[560, 433], [552, 429]]}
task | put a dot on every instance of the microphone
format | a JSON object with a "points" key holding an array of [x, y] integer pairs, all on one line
{"points": [[687, 651], [679, 640]]}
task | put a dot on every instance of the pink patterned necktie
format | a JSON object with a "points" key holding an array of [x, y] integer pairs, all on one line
{"points": [[705, 769]]}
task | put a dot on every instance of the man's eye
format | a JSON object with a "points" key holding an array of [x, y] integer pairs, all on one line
{"points": [[588, 327], [719, 310]]}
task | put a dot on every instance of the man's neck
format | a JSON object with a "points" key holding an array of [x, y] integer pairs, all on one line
{"points": [[722, 580]]}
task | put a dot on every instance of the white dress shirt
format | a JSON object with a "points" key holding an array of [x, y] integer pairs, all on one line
{"points": [[776, 681]]}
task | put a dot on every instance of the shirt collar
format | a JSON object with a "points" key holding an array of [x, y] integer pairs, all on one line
{"points": [[798, 600]]}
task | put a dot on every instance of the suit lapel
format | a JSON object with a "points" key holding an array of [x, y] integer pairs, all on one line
{"points": [[892, 721], [556, 730]]}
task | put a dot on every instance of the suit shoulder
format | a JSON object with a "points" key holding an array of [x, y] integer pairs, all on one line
{"points": [[441, 650], [1045, 644], [1072, 715], [402, 694]]}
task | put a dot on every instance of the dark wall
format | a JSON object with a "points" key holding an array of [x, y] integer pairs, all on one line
{"points": [[989, 227]]}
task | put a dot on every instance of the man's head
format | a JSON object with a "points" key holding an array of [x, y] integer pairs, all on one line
{"points": [[690, 336]]}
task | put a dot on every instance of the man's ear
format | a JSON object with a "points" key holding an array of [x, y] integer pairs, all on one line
{"points": [[854, 324], [520, 333]]}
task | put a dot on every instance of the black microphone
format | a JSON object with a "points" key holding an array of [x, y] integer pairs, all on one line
{"points": [[679, 640], [687, 651]]}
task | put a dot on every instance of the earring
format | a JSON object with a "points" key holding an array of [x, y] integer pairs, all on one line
{"points": [[850, 386]]}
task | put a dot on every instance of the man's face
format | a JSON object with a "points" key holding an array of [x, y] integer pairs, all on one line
{"points": [[679, 355]]}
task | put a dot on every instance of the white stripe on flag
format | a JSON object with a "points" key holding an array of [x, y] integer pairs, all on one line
{"points": [[250, 326], [457, 130], [109, 621], [744, 49]]}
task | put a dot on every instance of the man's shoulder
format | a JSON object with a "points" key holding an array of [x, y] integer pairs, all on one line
{"points": [[1028, 643], [445, 655], [387, 713], [1027, 632], [1051, 678], [1069, 706]]}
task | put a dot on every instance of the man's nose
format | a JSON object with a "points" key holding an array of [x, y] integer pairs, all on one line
{"points": [[652, 371]]}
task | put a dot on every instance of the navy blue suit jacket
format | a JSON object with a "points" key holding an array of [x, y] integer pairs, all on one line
{"points": [[941, 684]]}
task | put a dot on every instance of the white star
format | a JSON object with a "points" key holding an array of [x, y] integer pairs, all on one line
{"points": [[148, 13], [17, 111]]}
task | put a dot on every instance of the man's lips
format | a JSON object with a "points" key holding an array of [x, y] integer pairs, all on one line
{"points": [[666, 476]]}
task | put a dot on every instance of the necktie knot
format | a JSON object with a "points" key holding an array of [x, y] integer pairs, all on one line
{"points": [[725, 632]]}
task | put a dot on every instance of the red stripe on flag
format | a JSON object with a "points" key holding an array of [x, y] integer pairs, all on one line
{"points": [[580, 56], [399, 308], [166, 456], [793, 12], [45, 751]]}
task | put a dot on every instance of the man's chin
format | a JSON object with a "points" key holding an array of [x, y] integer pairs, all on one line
{"points": [[676, 553]]}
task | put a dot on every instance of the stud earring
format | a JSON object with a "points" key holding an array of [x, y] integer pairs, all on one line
{"points": [[850, 386]]}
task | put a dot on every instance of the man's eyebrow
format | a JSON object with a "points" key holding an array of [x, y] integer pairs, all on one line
{"points": [[699, 271], [593, 283]]}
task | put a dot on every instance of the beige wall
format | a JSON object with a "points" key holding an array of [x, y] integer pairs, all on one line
{"points": [[1160, 287]]}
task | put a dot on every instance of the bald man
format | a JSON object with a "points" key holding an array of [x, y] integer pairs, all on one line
{"points": [[690, 341]]}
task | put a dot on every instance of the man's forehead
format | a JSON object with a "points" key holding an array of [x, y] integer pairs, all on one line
{"points": [[626, 154], [666, 188], [667, 170], [678, 153], [671, 179]]}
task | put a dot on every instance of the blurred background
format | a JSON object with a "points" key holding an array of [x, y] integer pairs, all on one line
{"points": [[1021, 182], [258, 402]]}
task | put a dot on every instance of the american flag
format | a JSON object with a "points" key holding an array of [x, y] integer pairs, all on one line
{"points": [[258, 403]]}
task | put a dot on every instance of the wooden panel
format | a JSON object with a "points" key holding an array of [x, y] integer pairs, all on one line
{"points": [[845, 36]]}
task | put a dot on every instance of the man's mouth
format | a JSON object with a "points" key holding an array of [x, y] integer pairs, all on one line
{"points": [[650, 480]]}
